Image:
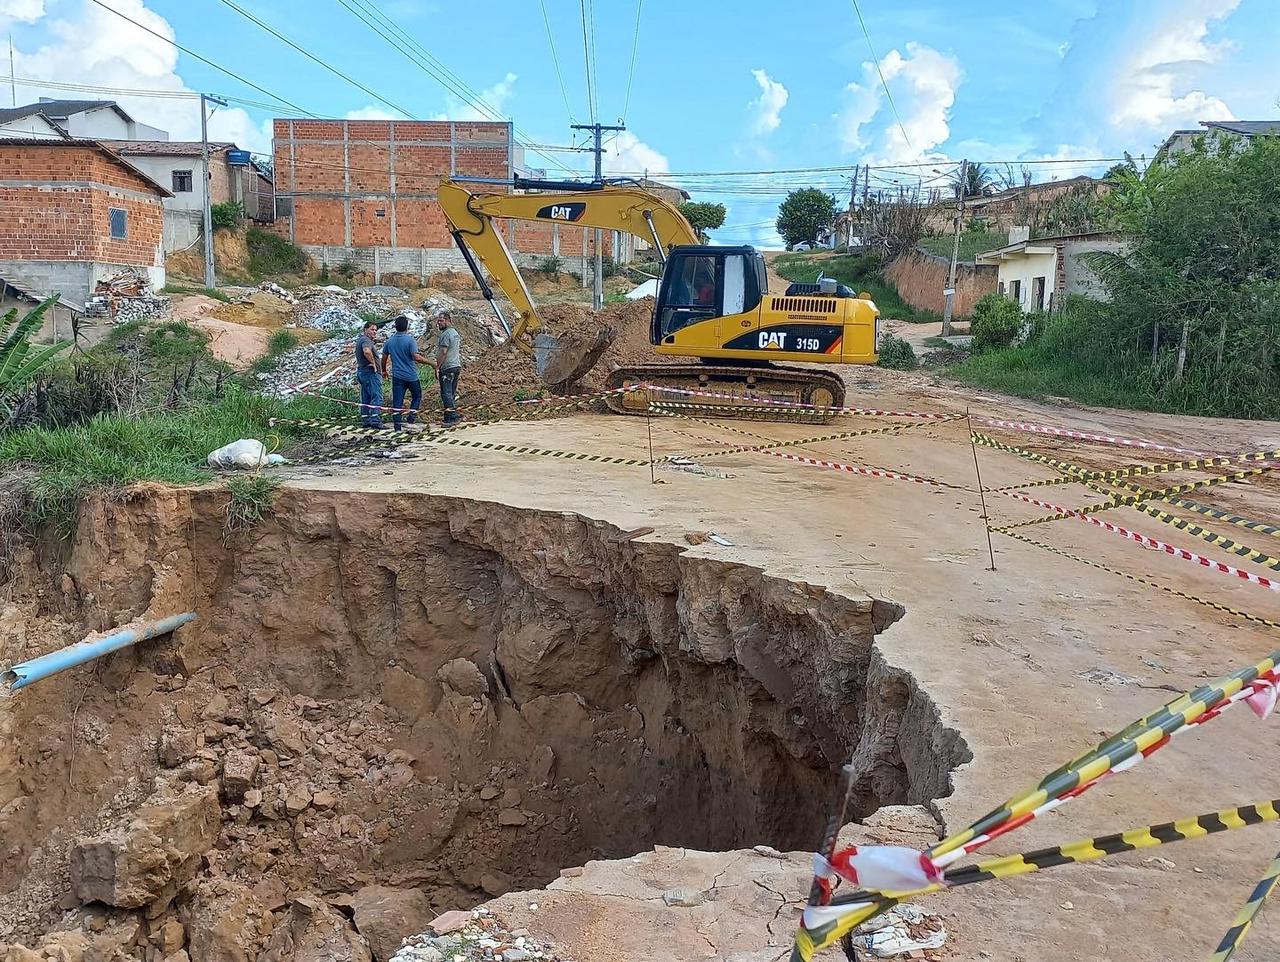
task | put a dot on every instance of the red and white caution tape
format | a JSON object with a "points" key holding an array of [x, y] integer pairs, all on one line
{"points": [[795, 405], [1086, 436], [1149, 542], [857, 469]]}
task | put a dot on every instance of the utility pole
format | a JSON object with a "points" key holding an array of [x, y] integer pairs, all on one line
{"points": [[210, 280], [597, 294], [853, 199], [13, 82], [949, 295]]}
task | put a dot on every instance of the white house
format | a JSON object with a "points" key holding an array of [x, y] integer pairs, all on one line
{"points": [[1180, 141], [80, 119], [1039, 273]]}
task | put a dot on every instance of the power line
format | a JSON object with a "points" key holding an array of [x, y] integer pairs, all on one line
{"points": [[310, 56], [205, 60], [555, 59], [631, 74], [586, 59], [595, 63], [876, 60]]}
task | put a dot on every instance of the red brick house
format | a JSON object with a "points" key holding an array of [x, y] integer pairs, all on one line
{"points": [[73, 212], [363, 192]]}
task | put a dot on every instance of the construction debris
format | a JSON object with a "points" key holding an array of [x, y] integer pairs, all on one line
{"points": [[126, 296]]}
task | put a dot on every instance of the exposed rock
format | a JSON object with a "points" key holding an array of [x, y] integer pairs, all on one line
{"points": [[495, 884], [385, 916], [512, 817], [296, 802], [452, 921], [148, 859], [228, 923], [511, 798], [489, 793], [463, 677], [238, 772], [285, 736], [171, 937], [313, 932], [18, 953], [324, 799], [177, 745]]}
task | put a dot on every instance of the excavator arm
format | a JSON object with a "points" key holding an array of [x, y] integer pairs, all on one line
{"points": [[471, 219]]}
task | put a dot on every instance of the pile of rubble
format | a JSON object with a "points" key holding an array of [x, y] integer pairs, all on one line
{"points": [[126, 296], [338, 310], [476, 936]]}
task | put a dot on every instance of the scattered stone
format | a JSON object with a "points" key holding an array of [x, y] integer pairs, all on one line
{"points": [[176, 747], [151, 857], [452, 921], [511, 798], [296, 802], [285, 736], [512, 818], [223, 678], [171, 937], [252, 798], [263, 696], [238, 772], [573, 871], [313, 932], [324, 800], [495, 884], [489, 793]]}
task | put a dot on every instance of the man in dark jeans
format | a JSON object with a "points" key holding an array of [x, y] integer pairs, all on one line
{"points": [[368, 376], [448, 367], [400, 353]]}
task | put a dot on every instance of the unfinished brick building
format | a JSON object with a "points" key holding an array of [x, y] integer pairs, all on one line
{"points": [[363, 193], [73, 212]]}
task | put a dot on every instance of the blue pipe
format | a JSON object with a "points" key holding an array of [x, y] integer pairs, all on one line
{"points": [[29, 672]]}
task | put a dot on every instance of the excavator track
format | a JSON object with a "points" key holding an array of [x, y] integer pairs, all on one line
{"points": [[765, 392]]}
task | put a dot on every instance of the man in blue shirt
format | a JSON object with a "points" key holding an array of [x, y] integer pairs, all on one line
{"points": [[368, 376], [400, 353]]}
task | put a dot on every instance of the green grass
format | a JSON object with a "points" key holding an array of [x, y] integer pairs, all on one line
{"points": [[972, 243], [109, 451], [859, 271], [213, 292], [279, 343], [251, 498], [272, 255]]}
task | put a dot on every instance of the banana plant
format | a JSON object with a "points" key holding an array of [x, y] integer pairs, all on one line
{"points": [[20, 361]]}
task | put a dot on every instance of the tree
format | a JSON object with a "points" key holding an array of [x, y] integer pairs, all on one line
{"points": [[703, 216], [977, 181], [804, 214]]}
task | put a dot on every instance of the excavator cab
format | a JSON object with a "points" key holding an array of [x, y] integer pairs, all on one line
{"points": [[702, 282]]}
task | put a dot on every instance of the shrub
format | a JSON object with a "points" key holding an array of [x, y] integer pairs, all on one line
{"points": [[550, 265], [228, 214], [271, 254], [996, 322], [897, 354], [609, 267]]}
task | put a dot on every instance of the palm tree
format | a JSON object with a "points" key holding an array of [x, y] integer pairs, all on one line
{"points": [[973, 180]]}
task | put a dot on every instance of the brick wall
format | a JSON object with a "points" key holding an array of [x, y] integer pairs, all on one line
{"points": [[921, 278], [73, 222], [358, 184]]}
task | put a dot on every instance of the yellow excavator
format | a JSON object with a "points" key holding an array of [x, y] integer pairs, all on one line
{"points": [[713, 304]]}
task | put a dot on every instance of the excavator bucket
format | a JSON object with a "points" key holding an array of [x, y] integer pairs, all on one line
{"points": [[562, 360]]}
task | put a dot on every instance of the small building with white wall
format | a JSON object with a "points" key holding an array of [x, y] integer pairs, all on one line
{"points": [[1039, 273], [79, 119]]}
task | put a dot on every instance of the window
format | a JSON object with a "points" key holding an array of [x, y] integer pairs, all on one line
{"points": [[1015, 292], [119, 223], [182, 181], [1037, 293], [692, 291]]}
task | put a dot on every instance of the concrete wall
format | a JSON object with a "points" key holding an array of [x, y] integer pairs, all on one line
{"points": [[1078, 278], [182, 228], [424, 261], [73, 280], [32, 126], [921, 278], [1023, 270]]}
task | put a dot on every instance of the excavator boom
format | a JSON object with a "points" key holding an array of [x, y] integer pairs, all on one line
{"points": [[610, 207]]}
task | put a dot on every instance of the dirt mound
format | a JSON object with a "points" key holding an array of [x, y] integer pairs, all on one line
{"points": [[453, 281]]}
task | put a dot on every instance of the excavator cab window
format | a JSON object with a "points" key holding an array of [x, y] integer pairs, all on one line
{"points": [[701, 283]]}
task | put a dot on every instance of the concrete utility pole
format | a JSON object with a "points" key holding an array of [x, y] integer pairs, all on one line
{"points": [[209, 279], [949, 295], [13, 81], [597, 294], [853, 199]]}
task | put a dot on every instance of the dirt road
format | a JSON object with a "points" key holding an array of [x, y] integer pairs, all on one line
{"points": [[1028, 663]]}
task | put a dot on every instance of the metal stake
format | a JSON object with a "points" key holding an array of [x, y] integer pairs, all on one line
{"points": [[982, 494]]}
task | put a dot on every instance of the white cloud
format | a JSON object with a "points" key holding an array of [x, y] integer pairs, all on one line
{"points": [[371, 112], [27, 11], [766, 109], [924, 83], [628, 154], [1145, 92], [93, 46], [494, 97]]}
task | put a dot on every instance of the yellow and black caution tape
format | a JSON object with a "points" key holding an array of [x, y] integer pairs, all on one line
{"points": [[543, 452], [756, 412], [1248, 912], [1227, 517], [865, 905], [1211, 537], [1224, 609]]}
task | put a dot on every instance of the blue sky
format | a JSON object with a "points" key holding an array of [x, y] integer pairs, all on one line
{"points": [[717, 87]]}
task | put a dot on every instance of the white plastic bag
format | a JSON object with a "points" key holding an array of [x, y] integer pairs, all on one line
{"points": [[245, 454]]}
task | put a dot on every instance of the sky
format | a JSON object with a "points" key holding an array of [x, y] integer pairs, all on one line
{"points": [[714, 90]]}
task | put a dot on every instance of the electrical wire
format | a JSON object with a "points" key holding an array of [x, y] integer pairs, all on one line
{"points": [[586, 59], [595, 63], [631, 74], [555, 59], [310, 56], [876, 60]]}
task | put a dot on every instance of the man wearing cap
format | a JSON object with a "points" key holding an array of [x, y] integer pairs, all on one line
{"points": [[368, 376], [400, 354]]}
